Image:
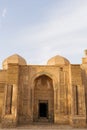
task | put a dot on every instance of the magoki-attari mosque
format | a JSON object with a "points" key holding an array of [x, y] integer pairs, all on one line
{"points": [[55, 93]]}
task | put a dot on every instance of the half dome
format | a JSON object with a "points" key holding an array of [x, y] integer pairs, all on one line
{"points": [[58, 60], [17, 59]]}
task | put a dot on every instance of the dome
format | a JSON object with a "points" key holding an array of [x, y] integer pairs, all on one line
{"points": [[58, 60], [13, 59]]}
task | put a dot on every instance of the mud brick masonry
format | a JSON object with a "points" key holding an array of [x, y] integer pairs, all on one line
{"points": [[56, 92]]}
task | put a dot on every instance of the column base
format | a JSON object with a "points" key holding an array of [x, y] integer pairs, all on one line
{"points": [[8, 122], [61, 119], [79, 122]]}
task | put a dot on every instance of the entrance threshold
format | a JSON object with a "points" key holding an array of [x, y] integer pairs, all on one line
{"points": [[43, 119]]}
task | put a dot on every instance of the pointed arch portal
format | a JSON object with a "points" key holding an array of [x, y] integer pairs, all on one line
{"points": [[43, 107]]}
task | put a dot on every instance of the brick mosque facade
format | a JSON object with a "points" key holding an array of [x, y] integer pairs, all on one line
{"points": [[55, 93]]}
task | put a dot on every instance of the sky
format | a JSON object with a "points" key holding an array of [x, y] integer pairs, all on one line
{"points": [[40, 29]]}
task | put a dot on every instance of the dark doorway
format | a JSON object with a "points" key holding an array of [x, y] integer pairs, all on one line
{"points": [[43, 109]]}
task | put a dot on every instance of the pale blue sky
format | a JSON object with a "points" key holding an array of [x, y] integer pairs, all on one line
{"points": [[40, 29]]}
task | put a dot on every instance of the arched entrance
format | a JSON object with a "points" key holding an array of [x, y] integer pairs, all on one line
{"points": [[43, 108]]}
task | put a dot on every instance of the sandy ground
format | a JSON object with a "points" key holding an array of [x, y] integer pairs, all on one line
{"points": [[45, 127]]}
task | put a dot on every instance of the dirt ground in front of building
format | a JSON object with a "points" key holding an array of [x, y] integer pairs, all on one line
{"points": [[44, 127]]}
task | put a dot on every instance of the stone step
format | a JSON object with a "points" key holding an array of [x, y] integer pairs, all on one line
{"points": [[43, 120]]}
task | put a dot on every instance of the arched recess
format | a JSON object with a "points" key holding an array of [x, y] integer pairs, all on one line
{"points": [[55, 81], [46, 94]]}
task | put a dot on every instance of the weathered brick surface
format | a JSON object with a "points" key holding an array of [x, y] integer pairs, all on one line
{"points": [[61, 87]]}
